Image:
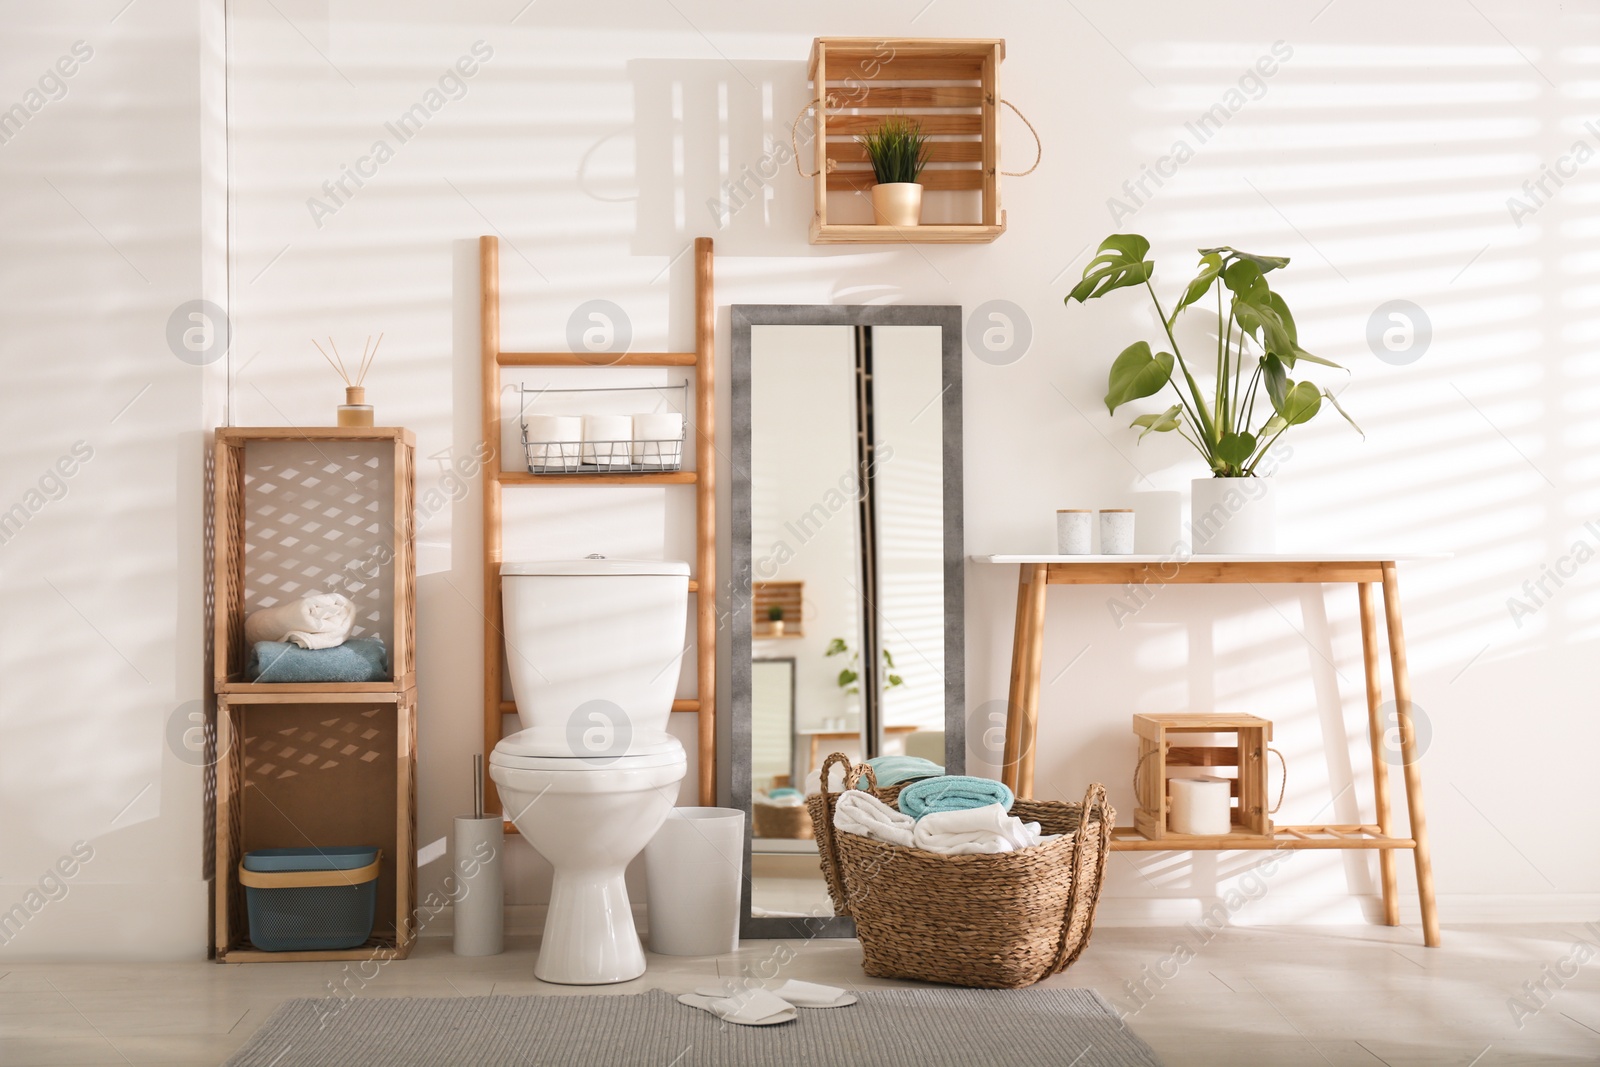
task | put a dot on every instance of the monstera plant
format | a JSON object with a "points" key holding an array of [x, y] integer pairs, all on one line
{"points": [[1253, 399]]}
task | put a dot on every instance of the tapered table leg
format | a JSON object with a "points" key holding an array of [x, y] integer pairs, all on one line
{"points": [[1380, 766], [1033, 664], [1410, 756], [1010, 763]]}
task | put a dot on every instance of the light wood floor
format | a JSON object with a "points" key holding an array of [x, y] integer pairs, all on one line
{"points": [[1252, 995]]}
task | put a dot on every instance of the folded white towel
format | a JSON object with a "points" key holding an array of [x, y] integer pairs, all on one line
{"points": [[554, 441], [320, 621], [974, 831], [864, 814]]}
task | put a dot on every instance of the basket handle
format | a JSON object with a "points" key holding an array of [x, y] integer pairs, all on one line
{"points": [[1094, 803], [827, 844], [308, 879]]}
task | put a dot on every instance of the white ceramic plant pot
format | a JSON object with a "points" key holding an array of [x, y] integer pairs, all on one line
{"points": [[1232, 516], [897, 204]]}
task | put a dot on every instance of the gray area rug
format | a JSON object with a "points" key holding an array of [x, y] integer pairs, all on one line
{"points": [[888, 1028]]}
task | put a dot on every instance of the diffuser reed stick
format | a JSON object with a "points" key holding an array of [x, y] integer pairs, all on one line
{"points": [[355, 411]]}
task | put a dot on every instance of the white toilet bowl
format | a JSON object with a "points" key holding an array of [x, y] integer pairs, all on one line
{"points": [[593, 649]]}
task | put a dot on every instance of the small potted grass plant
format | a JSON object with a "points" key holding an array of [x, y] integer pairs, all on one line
{"points": [[898, 149], [775, 620]]}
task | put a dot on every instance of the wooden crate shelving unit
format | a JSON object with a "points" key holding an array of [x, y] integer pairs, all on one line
{"points": [[790, 596], [1162, 746], [496, 479], [296, 511], [950, 87]]}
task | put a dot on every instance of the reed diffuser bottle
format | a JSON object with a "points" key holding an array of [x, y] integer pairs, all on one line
{"points": [[355, 411]]}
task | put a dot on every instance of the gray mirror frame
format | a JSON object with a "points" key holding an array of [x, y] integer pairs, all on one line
{"points": [[745, 316]]}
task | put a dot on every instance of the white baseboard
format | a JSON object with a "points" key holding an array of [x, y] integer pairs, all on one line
{"points": [[1273, 909], [111, 921]]}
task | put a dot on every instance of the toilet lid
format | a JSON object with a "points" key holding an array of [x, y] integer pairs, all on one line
{"points": [[546, 742]]}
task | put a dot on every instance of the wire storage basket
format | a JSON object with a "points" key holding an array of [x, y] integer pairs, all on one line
{"points": [[579, 454]]}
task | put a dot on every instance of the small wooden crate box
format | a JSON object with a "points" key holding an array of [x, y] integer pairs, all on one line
{"points": [[1161, 748]]}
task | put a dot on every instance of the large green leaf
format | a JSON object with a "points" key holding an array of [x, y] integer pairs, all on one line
{"points": [[1137, 373], [1244, 279], [1165, 422], [1340, 409], [1301, 402], [1276, 380], [1235, 448], [1265, 263], [1120, 262], [1210, 270]]}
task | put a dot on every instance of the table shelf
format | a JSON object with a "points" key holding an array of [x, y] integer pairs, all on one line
{"points": [[1128, 839]]}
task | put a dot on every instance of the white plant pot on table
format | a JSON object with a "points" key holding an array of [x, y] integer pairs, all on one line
{"points": [[1233, 516]]}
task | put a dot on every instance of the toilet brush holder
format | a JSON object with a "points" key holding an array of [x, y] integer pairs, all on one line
{"points": [[479, 910]]}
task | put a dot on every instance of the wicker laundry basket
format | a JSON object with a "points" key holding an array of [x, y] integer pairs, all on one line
{"points": [[998, 921], [776, 820], [821, 807]]}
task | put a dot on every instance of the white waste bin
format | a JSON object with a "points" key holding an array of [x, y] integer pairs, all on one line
{"points": [[694, 868]]}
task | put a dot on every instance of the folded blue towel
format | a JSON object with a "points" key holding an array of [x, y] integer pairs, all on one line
{"points": [[363, 659], [953, 792], [892, 770], [783, 791]]}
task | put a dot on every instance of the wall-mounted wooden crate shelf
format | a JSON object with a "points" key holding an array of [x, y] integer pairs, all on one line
{"points": [[297, 512], [790, 596], [950, 87]]}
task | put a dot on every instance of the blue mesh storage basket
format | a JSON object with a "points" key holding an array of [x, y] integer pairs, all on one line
{"points": [[309, 899]]}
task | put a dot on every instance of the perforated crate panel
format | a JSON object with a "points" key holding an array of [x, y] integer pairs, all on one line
{"points": [[318, 518]]}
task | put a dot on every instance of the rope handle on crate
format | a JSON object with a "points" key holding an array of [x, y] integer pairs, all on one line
{"points": [[1283, 783], [1095, 805], [1038, 142]]}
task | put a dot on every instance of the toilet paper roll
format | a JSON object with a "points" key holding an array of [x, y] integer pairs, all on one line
{"points": [[606, 440], [1199, 806], [554, 441], [658, 439], [479, 909]]}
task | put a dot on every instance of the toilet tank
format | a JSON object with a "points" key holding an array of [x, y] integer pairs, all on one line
{"points": [[587, 630]]}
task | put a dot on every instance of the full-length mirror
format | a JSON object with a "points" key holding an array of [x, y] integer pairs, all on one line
{"points": [[846, 630]]}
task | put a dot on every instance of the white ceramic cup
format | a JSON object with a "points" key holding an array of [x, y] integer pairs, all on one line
{"points": [[1116, 532], [1074, 532]]}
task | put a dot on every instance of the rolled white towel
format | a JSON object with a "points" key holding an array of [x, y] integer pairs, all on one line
{"points": [[607, 440], [864, 814], [658, 439], [554, 441], [320, 621], [974, 831]]}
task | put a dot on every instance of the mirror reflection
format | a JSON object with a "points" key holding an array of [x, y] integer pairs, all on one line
{"points": [[848, 550]]}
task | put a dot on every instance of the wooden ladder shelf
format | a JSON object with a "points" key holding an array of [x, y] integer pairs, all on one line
{"points": [[496, 480]]}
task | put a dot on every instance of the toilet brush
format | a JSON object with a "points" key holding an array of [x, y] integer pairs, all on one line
{"points": [[479, 910]]}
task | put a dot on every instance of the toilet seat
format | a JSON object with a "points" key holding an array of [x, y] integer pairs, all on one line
{"points": [[548, 749]]}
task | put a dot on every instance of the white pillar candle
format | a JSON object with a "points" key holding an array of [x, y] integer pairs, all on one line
{"points": [[1074, 532], [1116, 532], [1199, 806]]}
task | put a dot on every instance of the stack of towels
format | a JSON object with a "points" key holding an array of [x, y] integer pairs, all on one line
{"points": [[953, 814], [308, 640], [610, 442]]}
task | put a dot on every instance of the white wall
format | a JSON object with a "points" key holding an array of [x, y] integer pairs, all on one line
{"points": [[1380, 155], [109, 180]]}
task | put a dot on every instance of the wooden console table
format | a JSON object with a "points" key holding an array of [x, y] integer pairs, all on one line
{"points": [[1037, 573]]}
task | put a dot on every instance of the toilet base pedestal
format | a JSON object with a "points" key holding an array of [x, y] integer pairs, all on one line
{"points": [[589, 935]]}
